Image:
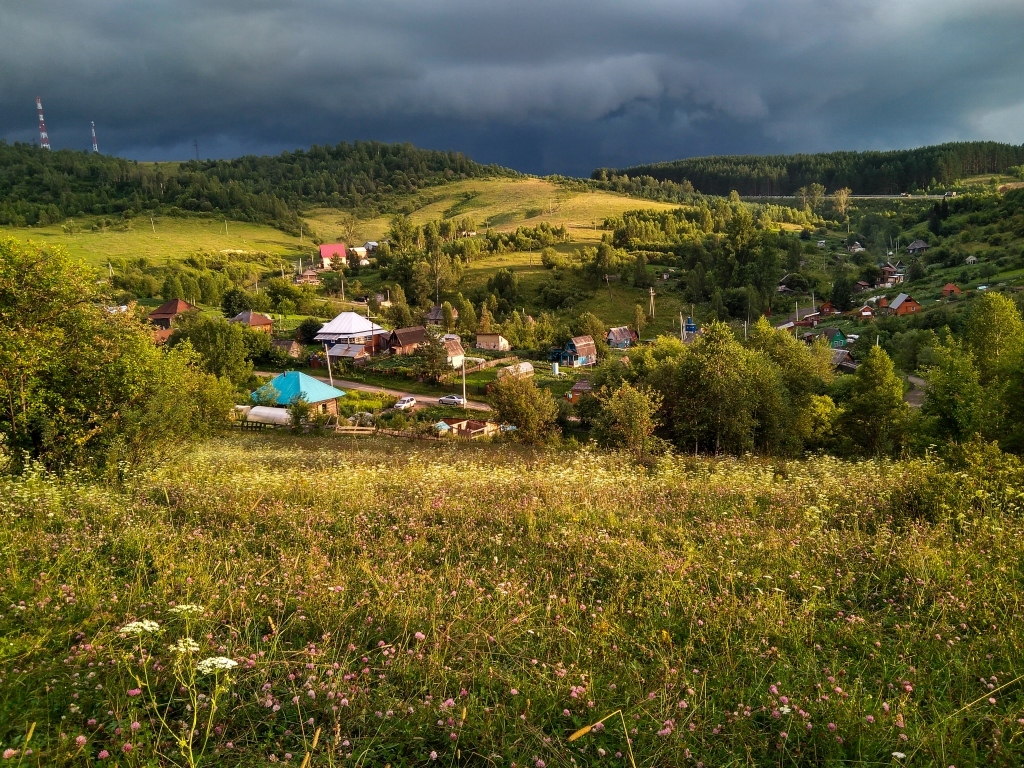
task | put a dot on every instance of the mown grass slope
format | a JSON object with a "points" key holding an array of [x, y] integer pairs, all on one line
{"points": [[382, 602], [499, 203], [164, 239]]}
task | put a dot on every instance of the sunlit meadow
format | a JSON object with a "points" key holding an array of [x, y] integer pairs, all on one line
{"points": [[336, 602]]}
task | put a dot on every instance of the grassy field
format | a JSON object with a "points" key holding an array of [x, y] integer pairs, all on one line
{"points": [[352, 603], [164, 239], [501, 204]]}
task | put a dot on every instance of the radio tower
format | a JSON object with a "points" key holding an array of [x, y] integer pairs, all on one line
{"points": [[44, 139], [95, 146]]}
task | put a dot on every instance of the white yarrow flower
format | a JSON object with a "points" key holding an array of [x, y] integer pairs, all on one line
{"points": [[215, 664], [185, 645], [140, 627], [188, 608], [898, 755]]}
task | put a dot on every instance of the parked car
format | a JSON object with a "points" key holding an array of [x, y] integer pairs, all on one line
{"points": [[451, 400], [405, 403]]}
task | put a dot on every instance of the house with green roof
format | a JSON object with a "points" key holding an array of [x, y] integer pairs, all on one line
{"points": [[285, 388]]}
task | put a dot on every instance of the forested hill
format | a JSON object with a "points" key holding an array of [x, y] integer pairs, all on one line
{"points": [[866, 173], [40, 187]]}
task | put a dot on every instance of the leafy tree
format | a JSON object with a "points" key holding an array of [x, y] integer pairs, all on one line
{"points": [[875, 418], [172, 287], [841, 200], [505, 286], [522, 403], [220, 344], [467, 314], [639, 319], [307, 330], [816, 195], [486, 321], [641, 277], [916, 270], [993, 333], [448, 316], [434, 364], [399, 315], [628, 419], [79, 385], [842, 294], [953, 398]]}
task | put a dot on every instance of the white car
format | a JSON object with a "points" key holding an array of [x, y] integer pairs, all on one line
{"points": [[451, 400], [405, 403]]}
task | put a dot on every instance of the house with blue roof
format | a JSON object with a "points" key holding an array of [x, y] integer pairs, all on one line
{"points": [[285, 388]]}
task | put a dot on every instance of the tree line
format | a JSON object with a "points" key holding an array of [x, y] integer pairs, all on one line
{"points": [[39, 187], [866, 173]]}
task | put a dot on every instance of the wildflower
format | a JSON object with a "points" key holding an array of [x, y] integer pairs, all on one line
{"points": [[783, 735], [898, 755], [136, 725], [126, 748], [185, 645], [9, 753], [870, 719], [215, 664], [146, 626], [103, 755], [540, 764], [420, 636], [80, 741], [433, 755], [514, 692], [186, 609], [135, 692]]}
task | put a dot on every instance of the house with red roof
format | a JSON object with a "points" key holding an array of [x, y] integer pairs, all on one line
{"points": [[330, 253]]}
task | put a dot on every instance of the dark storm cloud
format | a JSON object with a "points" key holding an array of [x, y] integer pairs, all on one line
{"points": [[541, 86]]}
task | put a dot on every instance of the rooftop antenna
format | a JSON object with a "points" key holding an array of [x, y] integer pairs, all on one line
{"points": [[95, 146], [44, 138]]}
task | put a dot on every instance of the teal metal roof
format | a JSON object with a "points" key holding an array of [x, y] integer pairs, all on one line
{"points": [[291, 384]]}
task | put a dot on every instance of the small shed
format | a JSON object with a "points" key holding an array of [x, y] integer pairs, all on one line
{"points": [[405, 341], [166, 313], [579, 389], [951, 289], [492, 341], [354, 353], [471, 429], [436, 315], [918, 246], [904, 304], [972, 259], [288, 387], [308, 277], [456, 354], [866, 312], [290, 347], [621, 337], [254, 320], [578, 352]]}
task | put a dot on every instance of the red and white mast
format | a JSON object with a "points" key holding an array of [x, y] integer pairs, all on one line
{"points": [[95, 146], [44, 139]]}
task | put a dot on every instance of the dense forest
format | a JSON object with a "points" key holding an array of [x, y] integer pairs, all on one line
{"points": [[42, 187], [866, 173]]}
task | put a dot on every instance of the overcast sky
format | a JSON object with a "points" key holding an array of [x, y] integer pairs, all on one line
{"points": [[544, 86]]}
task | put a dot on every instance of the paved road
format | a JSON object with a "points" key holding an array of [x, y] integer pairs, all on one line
{"points": [[852, 197], [422, 399]]}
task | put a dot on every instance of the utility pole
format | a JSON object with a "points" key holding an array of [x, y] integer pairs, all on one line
{"points": [[465, 403], [327, 354], [681, 337], [651, 289]]}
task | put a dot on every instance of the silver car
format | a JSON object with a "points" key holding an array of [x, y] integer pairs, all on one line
{"points": [[405, 403], [451, 400]]}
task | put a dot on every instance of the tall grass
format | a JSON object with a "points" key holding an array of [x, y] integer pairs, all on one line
{"points": [[476, 605]]}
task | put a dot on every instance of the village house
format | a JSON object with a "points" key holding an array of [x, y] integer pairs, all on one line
{"points": [[621, 337], [972, 259], [891, 275], [290, 347], [916, 247], [254, 320], [856, 248], [308, 277], [357, 354], [492, 341], [843, 362], [903, 304], [579, 389], [371, 246], [165, 315], [827, 309], [351, 328], [951, 289], [331, 254], [578, 352], [287, 387], [835, 337], [860, 286], [359, 252], [436, 315], [405, 341], [456, 354], [865, 312]]}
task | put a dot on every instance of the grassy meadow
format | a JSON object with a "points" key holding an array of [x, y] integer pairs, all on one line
{"points": [[500, 204], [165, 239], [336, 602]]}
